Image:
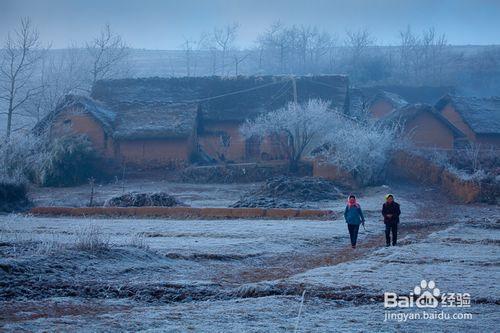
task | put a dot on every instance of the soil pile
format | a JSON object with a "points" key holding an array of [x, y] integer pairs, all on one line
{"points": [[290, 192], [134, 199], [239, 173]]}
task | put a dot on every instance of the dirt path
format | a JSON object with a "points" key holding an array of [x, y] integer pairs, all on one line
{"points": [[432, 213]]}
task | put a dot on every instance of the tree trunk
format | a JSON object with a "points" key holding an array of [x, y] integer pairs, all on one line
{"points": [[9, 119], [293, 166]]}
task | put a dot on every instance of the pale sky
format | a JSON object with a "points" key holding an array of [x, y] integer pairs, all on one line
{"points": [[155, 24]]}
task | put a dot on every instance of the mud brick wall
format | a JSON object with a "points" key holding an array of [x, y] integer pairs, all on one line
{"points": [[187, 212], [333, 173], [419, 169]]}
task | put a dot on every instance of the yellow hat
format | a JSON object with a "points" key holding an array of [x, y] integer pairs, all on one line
{"points": [[388, 195]]}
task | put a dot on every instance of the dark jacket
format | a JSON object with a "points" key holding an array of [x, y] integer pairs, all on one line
{"points": [[354, 215], [391, 209]]}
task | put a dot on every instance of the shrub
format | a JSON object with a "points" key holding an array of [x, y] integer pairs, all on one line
{"points": [[65, 161], [13, 196], [19, 157], [361, 149], [70, 161]]}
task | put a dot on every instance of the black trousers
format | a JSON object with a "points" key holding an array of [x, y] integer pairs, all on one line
{"points": [[391, 227], [353, 232]]}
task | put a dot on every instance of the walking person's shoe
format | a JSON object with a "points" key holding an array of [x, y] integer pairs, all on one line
{"points": [[387, 245], [353, 246]]}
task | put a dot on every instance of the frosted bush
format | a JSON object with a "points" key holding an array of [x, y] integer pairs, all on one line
{"points": [[361, 149], [19, 158], [477, 175], [60, 162]]}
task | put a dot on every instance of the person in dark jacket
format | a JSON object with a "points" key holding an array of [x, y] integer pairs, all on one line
{"points": [[391, 212], [354, 217]]}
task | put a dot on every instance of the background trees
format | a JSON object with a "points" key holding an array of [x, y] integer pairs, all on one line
{"points": [[21, 54]]}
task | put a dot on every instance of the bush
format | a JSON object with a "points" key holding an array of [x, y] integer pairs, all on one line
{"points": [[13, 196], [363, 150], [19, 157], [69, 161], [64, 161]]}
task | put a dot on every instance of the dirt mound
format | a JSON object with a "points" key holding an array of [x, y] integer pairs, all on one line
{"points": [[290, 192], [239, 173], [134, 199]]}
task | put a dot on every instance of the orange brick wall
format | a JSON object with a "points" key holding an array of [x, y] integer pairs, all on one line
{"points": [[154, 153], [81, 122], [380, 109], [427, 131], [211, 143], [454, 117]]}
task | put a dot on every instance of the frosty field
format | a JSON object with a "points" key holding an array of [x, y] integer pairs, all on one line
{"points": [[247, 275]]}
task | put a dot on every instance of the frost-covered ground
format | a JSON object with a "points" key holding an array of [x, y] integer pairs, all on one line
{"points": [[247, 275], [196, 195]]}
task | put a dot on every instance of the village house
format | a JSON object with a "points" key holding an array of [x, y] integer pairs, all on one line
{"points": [[378, 101], [157, 122], [384, 103], [477, 118], [425, 127]]}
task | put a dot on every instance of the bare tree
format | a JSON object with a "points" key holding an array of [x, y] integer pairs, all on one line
{"points": [[107, 52], [357, 43], [238, 58], [21, 54], [62, 73], [406, 51], [187, 48], [224, 39]]}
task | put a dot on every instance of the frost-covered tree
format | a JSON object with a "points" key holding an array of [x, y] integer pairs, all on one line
{"points": [[298, 128], [362, 149]]}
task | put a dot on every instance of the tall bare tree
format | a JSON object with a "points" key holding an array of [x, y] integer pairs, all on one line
{"points": [[224, 39], [21, 54], [107, 52], [357, 43], [188, 49], [238, 58], [62, 73]]}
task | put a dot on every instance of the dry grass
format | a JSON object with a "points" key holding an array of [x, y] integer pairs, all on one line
{"points": [[139, 241], [90, 238]]}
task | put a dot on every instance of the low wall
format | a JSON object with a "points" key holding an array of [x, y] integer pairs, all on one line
{"points": [[186, 212], [420, 169], [333, 173]]}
